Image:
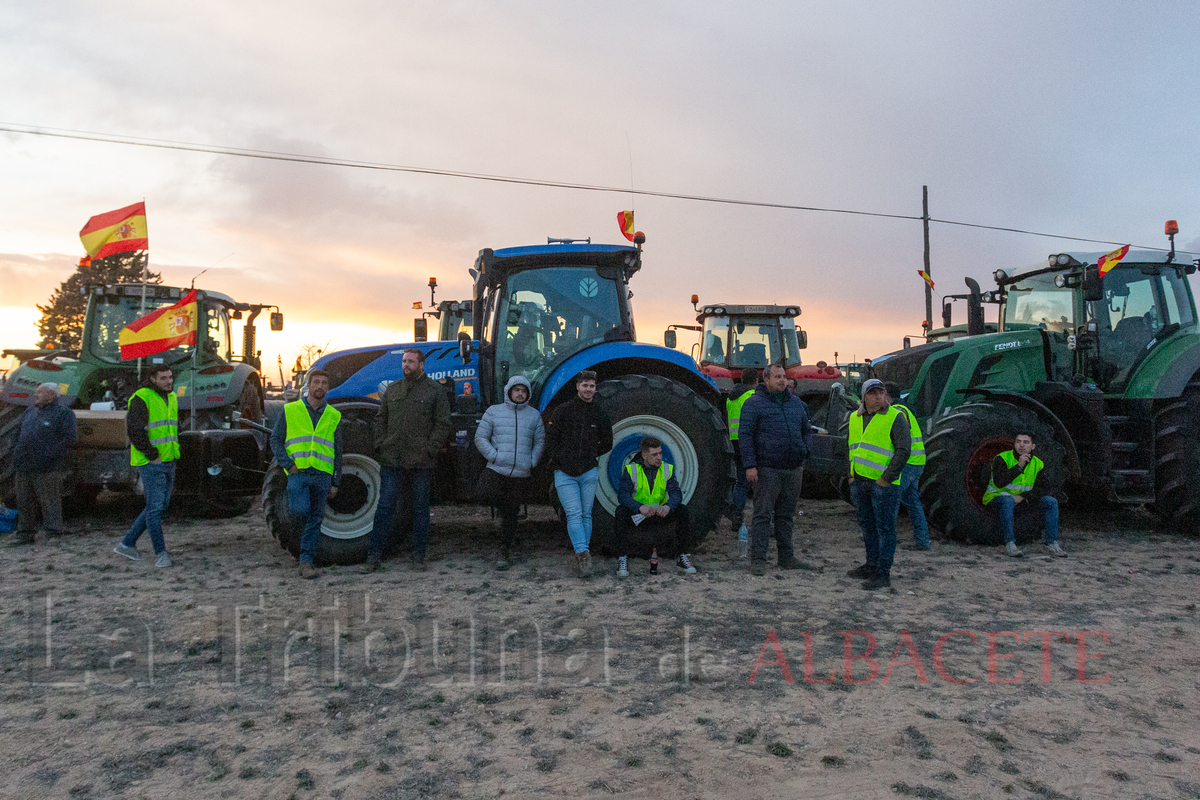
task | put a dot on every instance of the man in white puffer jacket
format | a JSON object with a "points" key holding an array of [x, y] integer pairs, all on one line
{"points": [[511, 437]]}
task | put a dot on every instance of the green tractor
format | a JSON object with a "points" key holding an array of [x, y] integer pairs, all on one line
{"points": [[221, 461], [1103, 369]]}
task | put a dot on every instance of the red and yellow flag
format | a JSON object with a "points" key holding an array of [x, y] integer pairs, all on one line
{"points": [[625, 220], [119, 231], [173, 326], [417, 306], [925, 277], [1110, 260]]}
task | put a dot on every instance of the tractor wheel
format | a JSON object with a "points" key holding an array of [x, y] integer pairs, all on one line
{"points": [[960, 448], [1177, 460], [349, 516], [10, 426], [694, 439]]}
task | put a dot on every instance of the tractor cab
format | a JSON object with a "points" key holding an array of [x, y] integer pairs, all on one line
{"points": [[538, 306], [1113, 324], [738, 337]]}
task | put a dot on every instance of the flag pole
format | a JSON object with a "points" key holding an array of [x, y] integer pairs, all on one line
{"points": [[928, 288], [142, 313]]}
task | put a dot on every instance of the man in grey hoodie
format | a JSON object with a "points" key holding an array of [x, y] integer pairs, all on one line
{"points": [[511, 437]]}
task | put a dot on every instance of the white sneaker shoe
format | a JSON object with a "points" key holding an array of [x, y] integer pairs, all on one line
{"points": [[1056, 550], [1011, 549], [163, 560], [623, 567], [129, 552], [685, 563]]}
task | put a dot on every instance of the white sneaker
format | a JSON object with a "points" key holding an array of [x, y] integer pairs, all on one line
{"points": [[1056, 550], [1011, 549], [129, 552], [163, 560], [685, 563], [623, 567]]}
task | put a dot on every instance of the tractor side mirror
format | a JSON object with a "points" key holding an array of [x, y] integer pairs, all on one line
{"points": [[947, 315], [420, 330], [669, 338], [1093, 285], [464, 347], [802, 339], [276, 320]]}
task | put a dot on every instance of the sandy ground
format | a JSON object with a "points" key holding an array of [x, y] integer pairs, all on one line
{"points": [[227, 676]]}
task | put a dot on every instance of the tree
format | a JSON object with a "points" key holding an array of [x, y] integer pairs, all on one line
{"points": [[61, 325]]}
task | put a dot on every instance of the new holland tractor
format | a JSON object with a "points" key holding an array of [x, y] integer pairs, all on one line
{"points": [[220, 463], [545, 312], [1103, 369]]}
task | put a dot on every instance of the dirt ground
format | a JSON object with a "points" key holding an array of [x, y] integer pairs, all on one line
{"points": [[227, 676]]}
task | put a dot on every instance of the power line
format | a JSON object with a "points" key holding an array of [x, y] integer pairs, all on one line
{"points": [[270, 155]]}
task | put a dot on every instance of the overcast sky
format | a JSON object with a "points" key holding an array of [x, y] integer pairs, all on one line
{"points": [[1076, 118]]}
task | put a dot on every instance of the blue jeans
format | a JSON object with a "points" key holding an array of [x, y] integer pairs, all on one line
{"points": [[910, 498], [877, 507], [307, 494], [577, 496], [1005, 505], [408, 488], [158, 481]]}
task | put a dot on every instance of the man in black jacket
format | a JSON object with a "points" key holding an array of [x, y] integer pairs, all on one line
{"points": [[578, 432], [775, 436], [47, 432], [649, 496]]}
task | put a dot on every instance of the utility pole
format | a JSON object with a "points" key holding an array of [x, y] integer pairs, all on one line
{"points": [[928, 290]]}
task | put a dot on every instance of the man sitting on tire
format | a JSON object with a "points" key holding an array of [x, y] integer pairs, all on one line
{"points": [[307, 443], [649, 490], [1017, 471], [880, 444]]}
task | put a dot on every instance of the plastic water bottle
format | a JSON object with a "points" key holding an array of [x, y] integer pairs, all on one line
{"points": [[743, 542], [654, 561]]}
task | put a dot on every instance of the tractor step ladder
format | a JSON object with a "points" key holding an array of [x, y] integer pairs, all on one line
{"points": [[1132, 458]]}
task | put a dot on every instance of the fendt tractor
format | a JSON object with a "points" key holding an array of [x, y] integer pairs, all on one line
{"points": [[545, 312], [1103, 369], [220, 462]]}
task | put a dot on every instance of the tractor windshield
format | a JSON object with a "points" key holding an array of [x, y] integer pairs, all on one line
{"points": [[549, 314], [112, 313], [1036, 302], [759, 341]]}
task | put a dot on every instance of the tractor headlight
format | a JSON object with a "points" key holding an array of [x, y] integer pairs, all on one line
{"points": [[1060, 281], [1000, 276]]}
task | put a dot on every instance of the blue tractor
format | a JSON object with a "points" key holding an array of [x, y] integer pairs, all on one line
{"points": [[545, 312]]}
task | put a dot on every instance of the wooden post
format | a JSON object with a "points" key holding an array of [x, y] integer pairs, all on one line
{"points": [[928, 290]]}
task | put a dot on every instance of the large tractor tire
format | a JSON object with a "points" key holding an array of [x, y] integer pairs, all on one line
{"points": [[10, 425], [694, 439], [349, 516], [960, 448], [1177, 460]]}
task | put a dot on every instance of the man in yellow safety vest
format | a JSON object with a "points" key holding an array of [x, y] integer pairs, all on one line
{"points": [[1013, 481], [307, 442], [880, 443], [152, 425], [649, 497], [910, 476]]}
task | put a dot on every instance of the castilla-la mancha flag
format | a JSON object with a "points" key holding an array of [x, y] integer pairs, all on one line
{"points": [[173, 326], [119, 231]]}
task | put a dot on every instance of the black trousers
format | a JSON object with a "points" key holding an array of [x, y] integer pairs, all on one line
{"points": [[673, 530], [506, 495]]}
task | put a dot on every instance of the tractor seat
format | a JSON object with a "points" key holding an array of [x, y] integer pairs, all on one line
{"points": [[752, 355]]}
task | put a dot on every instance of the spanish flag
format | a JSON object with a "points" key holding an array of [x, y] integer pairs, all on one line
{"points": [[417, 306], [925, 277], [1110, 260], [173, 326], [119, 231], [625, 220]]}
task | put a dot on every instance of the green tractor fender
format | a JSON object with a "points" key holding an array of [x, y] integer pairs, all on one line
{"points": [[1071, 465], [1168, 369]]}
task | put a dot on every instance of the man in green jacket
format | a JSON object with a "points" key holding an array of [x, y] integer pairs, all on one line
{"points": [[411, 427]]}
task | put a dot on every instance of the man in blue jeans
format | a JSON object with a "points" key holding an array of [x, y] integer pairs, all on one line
{"points": [[880, 442], [307, 442], [411, 428], [1013, 481], [578, 432], [152, 425], [910, 476]]}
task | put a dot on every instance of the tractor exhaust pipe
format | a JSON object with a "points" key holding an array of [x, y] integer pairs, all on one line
{"points": [[975, 326]]}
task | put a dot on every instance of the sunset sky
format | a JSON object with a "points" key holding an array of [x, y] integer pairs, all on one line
{"points": [[1073, 118]]}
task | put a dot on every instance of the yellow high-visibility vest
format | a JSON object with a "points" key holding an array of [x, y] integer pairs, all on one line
{"points": [[163, 427], [917, 456], [311, 448], [871, 450], [1021, 484], [642, 492]]}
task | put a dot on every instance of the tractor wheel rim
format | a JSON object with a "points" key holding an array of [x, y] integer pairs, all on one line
{"points": [[627, 435], [357, 521]]}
